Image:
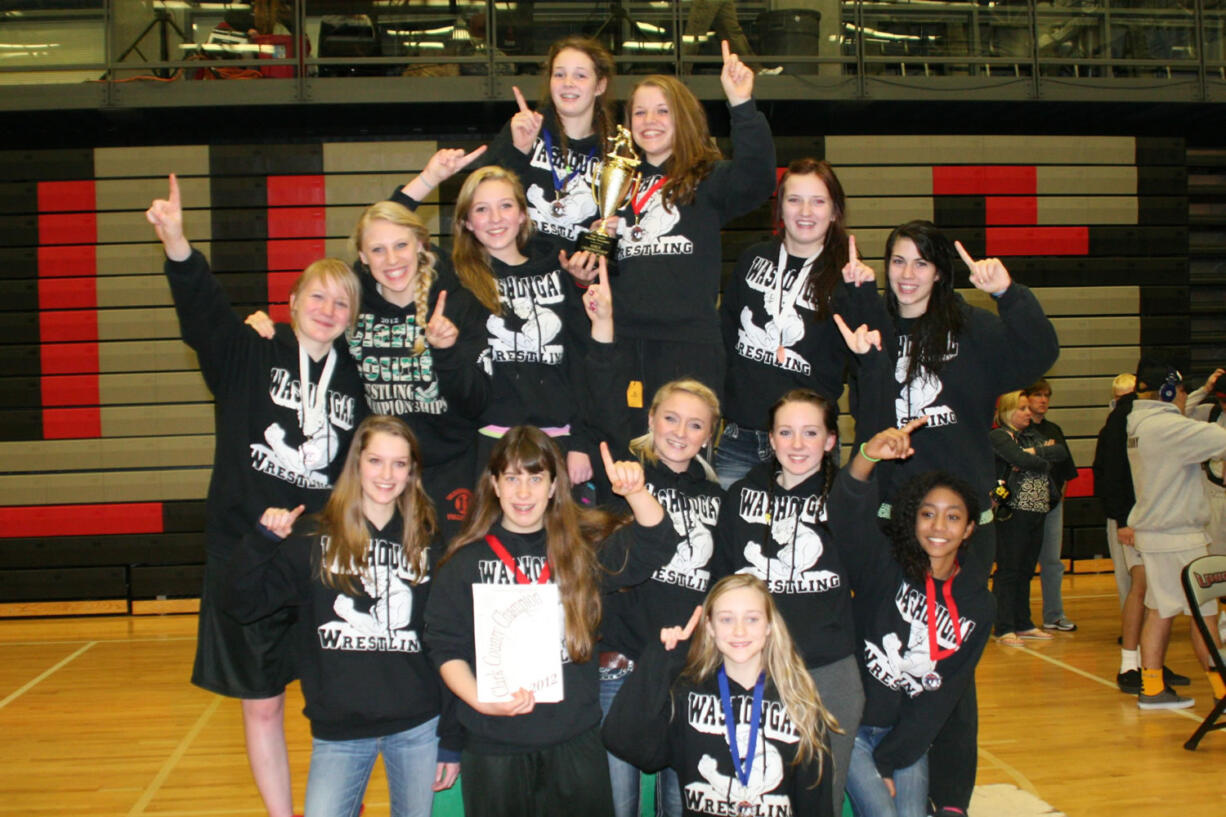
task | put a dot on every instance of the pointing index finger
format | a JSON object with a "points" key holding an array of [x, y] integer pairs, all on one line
{"points": [[851, 250], [693, 622], [519, 100], [602, 274], [607, 459], [468, 158], [725, 50], [915, 424], [966, 256], [439, 304], [174, 190]]}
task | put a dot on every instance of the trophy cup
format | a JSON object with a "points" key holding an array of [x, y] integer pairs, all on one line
{"points": [[611, 189]]}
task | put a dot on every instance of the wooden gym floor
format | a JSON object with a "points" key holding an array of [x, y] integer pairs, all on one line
{"points": [[98, 718]]}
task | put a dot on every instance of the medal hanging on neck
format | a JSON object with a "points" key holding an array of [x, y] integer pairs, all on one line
{"points": [[742, 770], [313, 405], [558, 206], [639, 203], [504, 556], [792, 294], [932, 681]]}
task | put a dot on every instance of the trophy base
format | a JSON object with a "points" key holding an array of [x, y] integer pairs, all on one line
{"points": [[597, 243]]}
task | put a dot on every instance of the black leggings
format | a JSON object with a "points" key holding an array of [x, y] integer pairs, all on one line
{"points": [[556, 781]]}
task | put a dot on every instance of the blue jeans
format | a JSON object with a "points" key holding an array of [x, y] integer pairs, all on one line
{"points": [[1051, 568], [340, 770], [739, 450], [625, 776], [869, 797]]}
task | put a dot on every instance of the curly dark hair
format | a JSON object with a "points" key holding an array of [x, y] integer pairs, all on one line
{"points": [[901, 528]]}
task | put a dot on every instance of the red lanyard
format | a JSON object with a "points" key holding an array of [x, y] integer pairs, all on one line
{"points": [[501, 552], [638, 203], [930, 592]]}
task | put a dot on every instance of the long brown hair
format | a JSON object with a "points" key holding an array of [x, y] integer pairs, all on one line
{"points": [[602, 114], [694, 153], [471, 259], [572, 533], [782, 664], [820, 287], [395, 213], [342, 523]]}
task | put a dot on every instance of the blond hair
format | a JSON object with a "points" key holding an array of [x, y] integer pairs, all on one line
{"points": [[1006, 404], [330, 271], [401, 216], [644, 446], [1123, 384], [471, 259], [781, 663]]}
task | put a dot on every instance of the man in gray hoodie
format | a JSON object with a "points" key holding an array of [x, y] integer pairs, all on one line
{"points": [[1165, 450]]}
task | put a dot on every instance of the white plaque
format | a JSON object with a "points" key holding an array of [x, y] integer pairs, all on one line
{"points": [[518, 629]]}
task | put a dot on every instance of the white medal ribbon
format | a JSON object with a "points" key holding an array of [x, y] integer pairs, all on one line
{"points": [[313, 413], [792, 294]]}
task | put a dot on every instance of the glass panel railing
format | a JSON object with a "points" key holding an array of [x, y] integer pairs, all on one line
{"points": [[196, 39], [65, 41], [49, 42]]}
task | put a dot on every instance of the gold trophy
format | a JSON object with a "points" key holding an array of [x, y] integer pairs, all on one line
{"points": [[614, 186]]}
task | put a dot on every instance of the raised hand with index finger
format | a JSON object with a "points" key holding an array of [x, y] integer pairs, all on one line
{"points": [[862, 339], [987, 274], [447, 162], [598, 303], [525, 124], [892, 443], [855, 271], [441, 333], [735, 76], [671, 636], [166, 216]]}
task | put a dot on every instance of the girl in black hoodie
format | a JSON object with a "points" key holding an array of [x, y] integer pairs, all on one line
{"points": [[773, 525], [533, 329], [272, 448], [523, 757], [558, 152], [359, 574], [669, 249], [736, 715]]}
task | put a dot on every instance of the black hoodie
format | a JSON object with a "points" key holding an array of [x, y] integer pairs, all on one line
{"points": [[905, 688], [659, 720], [992, 355], [781, 537], [759, 316], [628, 556], [261, 456], [573, 171], [363, 666], [668, 277], [441, 392]]}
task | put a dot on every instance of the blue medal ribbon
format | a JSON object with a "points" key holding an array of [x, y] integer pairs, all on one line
{"points": [[559, 184], [755, 714]]}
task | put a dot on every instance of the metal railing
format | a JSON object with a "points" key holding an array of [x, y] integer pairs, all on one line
{"points": [[170, 52]]}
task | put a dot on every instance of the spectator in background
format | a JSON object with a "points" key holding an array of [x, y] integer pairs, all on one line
{"points": [[1051, 567], [1165, 451]]}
